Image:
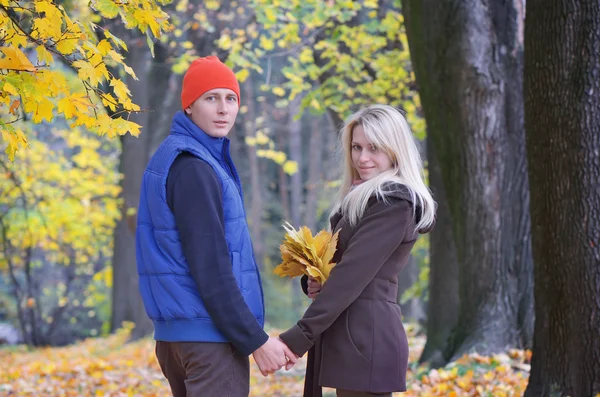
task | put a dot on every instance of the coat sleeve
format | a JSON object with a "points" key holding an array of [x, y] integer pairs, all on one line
{"points": [[377, 236]]}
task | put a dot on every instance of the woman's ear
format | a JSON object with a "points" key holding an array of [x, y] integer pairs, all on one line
{"points": [[188, 110]]}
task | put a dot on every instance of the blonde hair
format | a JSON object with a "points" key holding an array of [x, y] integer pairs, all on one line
{"points": [[386, 129]]}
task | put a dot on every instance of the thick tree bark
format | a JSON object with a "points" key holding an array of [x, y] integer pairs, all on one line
{"points": [[442, 307], [467, 57], [562, 114]]}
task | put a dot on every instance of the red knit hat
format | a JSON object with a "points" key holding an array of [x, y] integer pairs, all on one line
{"points": [[206, 74]]}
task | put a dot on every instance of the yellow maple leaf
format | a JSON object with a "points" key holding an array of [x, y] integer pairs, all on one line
{"points": [[316, 274], [67, 108], [321, 240], [242, 75], [122, 127], [115, 56], [110, 101], [67, 45], [327, 256], [10, 88], [225, 42], [278, 91], [86, 71], [44, 55], [104, 47], [266, 43], [15, 60], [43, 111], [81, 102], [46, 28], [120, 89], [301, 253], [326, 269], [291, 269], [130, 71]]}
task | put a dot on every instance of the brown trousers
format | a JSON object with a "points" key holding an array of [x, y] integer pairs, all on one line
{"points": [[199, 369], [352, 393]]}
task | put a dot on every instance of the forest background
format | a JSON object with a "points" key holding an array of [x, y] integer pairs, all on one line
{"points": [[506, 110]]}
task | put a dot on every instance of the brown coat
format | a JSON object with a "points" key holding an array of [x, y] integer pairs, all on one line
{"points": [[355, 323]]}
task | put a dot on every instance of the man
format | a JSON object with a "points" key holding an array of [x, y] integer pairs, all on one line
{"points": [[198, 276]]}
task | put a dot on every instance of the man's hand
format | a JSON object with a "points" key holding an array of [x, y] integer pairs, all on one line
{"points": [[314, 287], [273, 355]]}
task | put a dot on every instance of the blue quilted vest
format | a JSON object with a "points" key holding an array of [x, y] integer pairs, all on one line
{"points": [[168, 290]]}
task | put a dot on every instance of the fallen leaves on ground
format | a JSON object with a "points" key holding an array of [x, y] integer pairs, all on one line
{"points": [[112, 368]]}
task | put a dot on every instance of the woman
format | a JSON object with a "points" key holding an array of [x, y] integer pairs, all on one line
{"points": [[353, 327]]}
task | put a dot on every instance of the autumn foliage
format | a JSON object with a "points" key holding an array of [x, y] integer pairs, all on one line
{"points": [[111, 367], [42, 41], [58, 208]]}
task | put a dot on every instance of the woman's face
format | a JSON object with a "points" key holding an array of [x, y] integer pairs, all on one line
{"points": [[368, 160]]}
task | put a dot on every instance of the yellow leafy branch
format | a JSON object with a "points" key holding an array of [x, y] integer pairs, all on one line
{"points": [[303, 253], [44, 25], [18, 26]]}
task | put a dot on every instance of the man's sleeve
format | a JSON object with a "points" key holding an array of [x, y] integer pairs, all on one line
{"points": [[194, 196]]}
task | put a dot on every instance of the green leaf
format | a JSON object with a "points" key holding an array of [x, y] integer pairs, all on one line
{"points": [[107, 8], [150, 42]]}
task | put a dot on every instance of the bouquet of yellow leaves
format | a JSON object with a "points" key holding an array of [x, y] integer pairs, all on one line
{"points": [[304, 254]]}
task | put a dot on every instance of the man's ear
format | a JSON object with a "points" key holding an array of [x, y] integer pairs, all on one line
{"points": [[188, 110]]}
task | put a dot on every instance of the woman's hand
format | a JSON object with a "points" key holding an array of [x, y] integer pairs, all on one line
{"points": [[314, 287]]}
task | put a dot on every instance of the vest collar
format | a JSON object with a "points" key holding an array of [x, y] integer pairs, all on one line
{"points": [[183, 125]]}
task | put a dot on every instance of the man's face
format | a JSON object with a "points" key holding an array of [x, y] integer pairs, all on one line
{"points": [[215, 111]]}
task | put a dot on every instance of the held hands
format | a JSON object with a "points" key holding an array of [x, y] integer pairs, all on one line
{"points": [[273, 355], [314, 287]]}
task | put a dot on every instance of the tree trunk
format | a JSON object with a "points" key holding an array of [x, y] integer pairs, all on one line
{"points": [[413, 308], [315, 176], [468, 65], [442, 307], [562, 114], [296, 188], [295, 154], [255, 214], [284, 191], [127, 303]]}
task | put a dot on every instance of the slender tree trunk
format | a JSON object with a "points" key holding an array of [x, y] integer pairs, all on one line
{"points": [[562, 114], [413, 308], [468, 63], [255, 215], [127, 303], [284, 191], [442, 307], [315, 176], [297, 189], [295, 154]]}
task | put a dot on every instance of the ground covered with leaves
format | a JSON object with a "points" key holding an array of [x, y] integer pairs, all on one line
{"points": [[110, 367]]}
